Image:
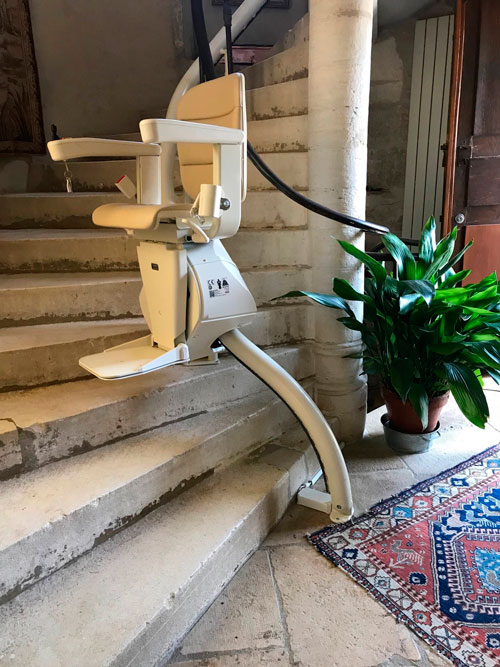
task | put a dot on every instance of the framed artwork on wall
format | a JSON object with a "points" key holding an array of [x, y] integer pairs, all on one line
{"points": [[21, 127]]}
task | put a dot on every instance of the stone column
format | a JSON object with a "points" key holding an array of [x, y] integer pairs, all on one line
{"points": [[340, 34]]}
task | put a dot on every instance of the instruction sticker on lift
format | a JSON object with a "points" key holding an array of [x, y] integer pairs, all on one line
{"points": [[218, 287]]}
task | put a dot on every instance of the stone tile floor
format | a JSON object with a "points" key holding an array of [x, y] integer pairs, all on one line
{"points": [[289, 606]]}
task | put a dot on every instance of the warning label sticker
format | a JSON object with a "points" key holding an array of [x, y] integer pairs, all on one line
{"points": [[218, 287]]}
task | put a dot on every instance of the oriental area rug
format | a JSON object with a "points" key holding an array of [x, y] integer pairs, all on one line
{"points": [[431, 556]]}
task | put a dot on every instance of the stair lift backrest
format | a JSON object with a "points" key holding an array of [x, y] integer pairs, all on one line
{"points": [[218, 102]]}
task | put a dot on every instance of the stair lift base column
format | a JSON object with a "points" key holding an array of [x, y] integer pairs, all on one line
{"points": [[338, 502]]}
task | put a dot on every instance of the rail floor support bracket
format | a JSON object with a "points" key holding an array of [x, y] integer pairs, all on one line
{"points": [[315, 500]]}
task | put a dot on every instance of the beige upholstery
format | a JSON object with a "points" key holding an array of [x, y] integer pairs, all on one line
{"points": [[218, 102], [137, 216]]}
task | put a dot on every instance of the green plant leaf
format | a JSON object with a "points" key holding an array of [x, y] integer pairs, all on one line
{"points": [[402, 256], [407, 301], [494, 375], [401, 372], [447, 267], [484, 294], [455, 278], [442, 255], [342, 288], [467, 392], [423, 287], [427, 241], [324, 299], [375, 267], [352, 323], [420, 402]]}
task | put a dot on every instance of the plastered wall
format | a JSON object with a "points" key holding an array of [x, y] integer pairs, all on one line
{"points": [[104, 64]]}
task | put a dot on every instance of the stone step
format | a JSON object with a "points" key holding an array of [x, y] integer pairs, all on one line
{"points": [[86, 176], [48, 353], [65, 250], [277, 101], [100, 176], [279, 135], [130, 601], [268, 283], [41, 298], [257, 248], [92, 176], [54, 349], [284, 66], [61, 420], [273, 210], [60, 210], [57, 210], [55, 514], [290, 167], [296, 35]]}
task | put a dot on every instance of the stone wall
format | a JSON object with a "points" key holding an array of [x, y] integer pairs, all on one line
{"points": [[103, 65]]}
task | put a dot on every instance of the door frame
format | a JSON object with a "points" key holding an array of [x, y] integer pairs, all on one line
{"points": [[455, 92]]}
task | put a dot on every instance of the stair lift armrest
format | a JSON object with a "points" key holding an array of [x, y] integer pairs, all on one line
{"points": [[228, 145], [69, 149], [166, 130]]}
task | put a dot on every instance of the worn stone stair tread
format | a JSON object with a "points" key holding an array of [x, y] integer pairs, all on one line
{"points": [[283, 66], [290, 167], [41, 298], [52, 515], [23, 249], [66, 250], [59, 195], [57, 421], [22, 281], [55, 348], [52, 209], [44, 335], [272, 209], [274, 135], [55, 402], [100, 177], [278, 100], [130, 600], [47, 234]]}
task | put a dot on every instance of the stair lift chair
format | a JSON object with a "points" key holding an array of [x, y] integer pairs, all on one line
{"points": [[193, 296]]}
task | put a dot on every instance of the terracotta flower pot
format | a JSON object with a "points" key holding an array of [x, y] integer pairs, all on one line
{"points": [[404, 418]]}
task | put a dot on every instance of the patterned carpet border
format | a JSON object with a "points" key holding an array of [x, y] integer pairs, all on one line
{"points": [[335, 541]]}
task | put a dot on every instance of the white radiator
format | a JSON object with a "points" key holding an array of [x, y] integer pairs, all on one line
{"points": [[428, 123]]}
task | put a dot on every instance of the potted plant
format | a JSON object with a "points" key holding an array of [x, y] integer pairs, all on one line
{"points": [[422, 333]]}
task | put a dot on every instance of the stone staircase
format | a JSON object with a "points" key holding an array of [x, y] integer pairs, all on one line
{"points": [[127, 506]]}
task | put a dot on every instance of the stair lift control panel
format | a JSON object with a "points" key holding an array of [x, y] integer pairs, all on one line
{"points": [[193, 296]]}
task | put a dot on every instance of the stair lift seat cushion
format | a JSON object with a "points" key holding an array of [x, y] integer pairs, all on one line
{"points": [[138, 216], [218, 102]]}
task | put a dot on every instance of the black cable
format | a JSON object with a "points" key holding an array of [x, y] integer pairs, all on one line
{"points": [[228, 20], [200, 33], [208, 67], [311, 205]]}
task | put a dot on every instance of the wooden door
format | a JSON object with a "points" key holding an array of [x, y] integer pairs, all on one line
{"points": [[472, 184]]}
